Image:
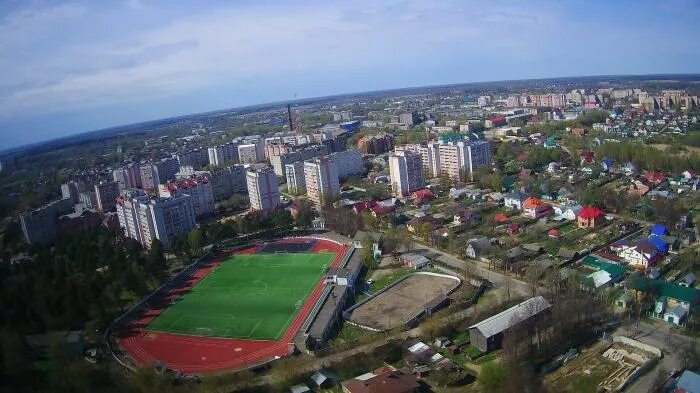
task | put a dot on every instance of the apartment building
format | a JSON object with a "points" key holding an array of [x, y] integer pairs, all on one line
{"points": [[144, 219], [196, 158], [263, 189], [72, 190], [106, 194], [277, 149], [406, 118], [321, 178], [348, 163], [457, 159], [40, 226], [149, 177], [295, 177], [128, 176], [223, 154], [250, 153], [198, 188], [406, 171]]}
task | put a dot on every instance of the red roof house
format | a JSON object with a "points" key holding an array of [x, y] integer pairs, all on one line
{"points": [[420, 196], [536, 208], [589, 217], [655, 177], [500, 218]]}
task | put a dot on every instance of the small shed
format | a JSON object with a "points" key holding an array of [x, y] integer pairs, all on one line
{"points": [[414, 261], [323, 379], [301, 388]]}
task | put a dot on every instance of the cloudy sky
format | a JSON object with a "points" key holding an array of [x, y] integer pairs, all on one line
{"points": [[69, 67]]}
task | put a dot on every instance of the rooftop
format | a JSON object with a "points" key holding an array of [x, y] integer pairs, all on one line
{"points": [[512, 316]]}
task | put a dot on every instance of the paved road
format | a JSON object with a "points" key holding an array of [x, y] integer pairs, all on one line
{"points": [[499, 280], [667, 338]]}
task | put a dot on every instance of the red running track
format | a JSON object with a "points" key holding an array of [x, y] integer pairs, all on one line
{"points": [[200, 355]]}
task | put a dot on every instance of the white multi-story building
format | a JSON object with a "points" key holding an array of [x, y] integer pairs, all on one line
{"points": [[195, 158], [249, 153], [223, 154], [456, 159], [406, 170], [263, 189], [106, 193], [149, 177], [321, 178], [483, 101], [348, 163], [128, 176], [406, 118], [295, 176], [144, 220], [72, 190], [199, 188]]}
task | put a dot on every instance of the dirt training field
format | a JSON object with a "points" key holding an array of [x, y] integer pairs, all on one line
{"points": [[402, 302]]}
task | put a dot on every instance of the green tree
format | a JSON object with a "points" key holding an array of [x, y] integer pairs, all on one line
{"points": [[493, 377]]}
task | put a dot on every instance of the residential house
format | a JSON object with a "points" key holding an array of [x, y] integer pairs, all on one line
{"points": [[688, 174], [688, 280], [513, 229], [659, 230], [384, 380], [414, 226], [476, 247], [495, 198], [421, 196], [655, 177], [606, 164], [466, 216], [536, 208], [604, 274], [673, 302], [500, 218], [641, 254], [587, 157], [589, 217], [689, 382], [553, 167], [638, 188], [567, 212], [514, 200]]}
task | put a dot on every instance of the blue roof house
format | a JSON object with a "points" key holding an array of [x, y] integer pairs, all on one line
{"points": [[659, 230]]}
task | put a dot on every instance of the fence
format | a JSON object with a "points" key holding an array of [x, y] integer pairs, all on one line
{"points": [[411, 321]]}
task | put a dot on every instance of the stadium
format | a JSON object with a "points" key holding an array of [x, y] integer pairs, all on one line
{"points": [[240, 308]]}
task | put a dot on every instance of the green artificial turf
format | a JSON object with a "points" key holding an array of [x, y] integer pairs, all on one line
{"points": [[248, 296]]}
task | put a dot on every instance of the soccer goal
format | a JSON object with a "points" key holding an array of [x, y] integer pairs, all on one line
{"points": [[204, 332]]}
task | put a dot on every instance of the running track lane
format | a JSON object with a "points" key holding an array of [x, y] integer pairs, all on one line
{"points": [[200, 355]]}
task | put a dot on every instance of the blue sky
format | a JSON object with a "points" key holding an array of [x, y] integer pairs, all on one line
{"points": [[70, 67]]}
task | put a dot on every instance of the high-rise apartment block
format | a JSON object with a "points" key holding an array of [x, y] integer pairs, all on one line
{"points": [[406, 170], [106, 193], [458, 160], [144, 220], [72, 190], [406, 118], [223, 154], [321, 178], [250, 153], [199, 188], [295, 177], [348, 163], [263, 189]]}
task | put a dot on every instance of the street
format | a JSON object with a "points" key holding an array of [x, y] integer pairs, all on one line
{"points": [[668, 339]]}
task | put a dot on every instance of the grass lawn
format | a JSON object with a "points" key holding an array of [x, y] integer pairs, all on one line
{"points": [[247, 296]]}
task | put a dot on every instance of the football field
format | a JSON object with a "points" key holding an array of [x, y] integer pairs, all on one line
{"points": [[254, 296]]}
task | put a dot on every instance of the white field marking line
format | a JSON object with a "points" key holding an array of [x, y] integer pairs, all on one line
{"points": [[294, 314], [172, 325], [250, 333]]}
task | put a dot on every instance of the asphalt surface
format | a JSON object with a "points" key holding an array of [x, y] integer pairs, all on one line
{"points": [[661, 335]]}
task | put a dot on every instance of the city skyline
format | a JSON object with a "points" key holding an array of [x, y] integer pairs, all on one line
{"points": [[86, 71]]}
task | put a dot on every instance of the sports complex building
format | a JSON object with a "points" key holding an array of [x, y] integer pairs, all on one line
{"points": [[240, 308]]}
